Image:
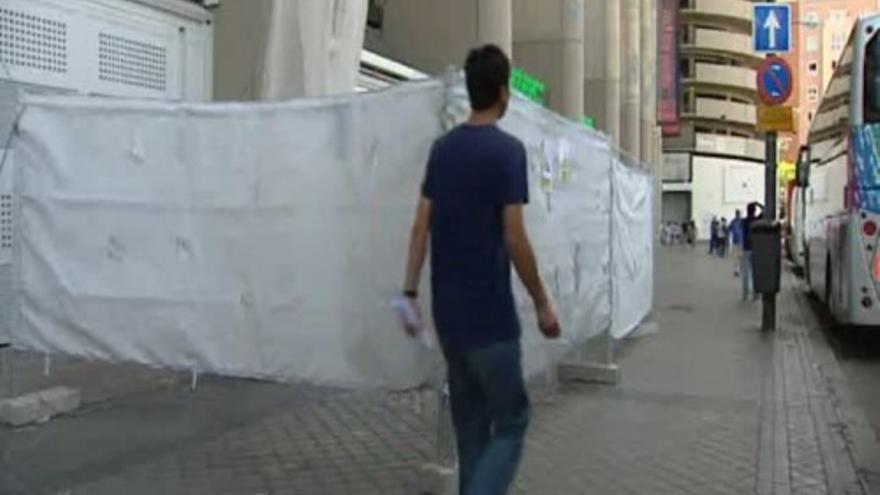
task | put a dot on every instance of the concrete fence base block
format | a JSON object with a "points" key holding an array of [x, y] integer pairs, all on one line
{"points": [[435, 479], [38, 407], [606, 374]]}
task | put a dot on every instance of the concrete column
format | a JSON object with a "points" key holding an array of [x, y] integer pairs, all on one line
{"points": [[238, 72], [632, 84], [595, 82], [313, 47], [573, 59], [549, 43], [649, 79], [612, 69], [495, 24], [658, 174]]}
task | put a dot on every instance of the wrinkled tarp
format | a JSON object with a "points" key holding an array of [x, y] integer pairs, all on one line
{"points": [[633, 263], [265, 240]]}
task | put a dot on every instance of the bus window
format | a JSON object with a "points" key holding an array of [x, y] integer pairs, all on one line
{"points": [[872, 81]]}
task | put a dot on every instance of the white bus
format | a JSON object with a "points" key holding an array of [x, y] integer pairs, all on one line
{"points": [[839, 185]]}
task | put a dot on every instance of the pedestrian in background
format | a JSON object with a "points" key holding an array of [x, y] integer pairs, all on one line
{"points": [[735, 230], [472, 210], [713, 235], [666, 233], [692, 233], [754, 212], [722, 237]]}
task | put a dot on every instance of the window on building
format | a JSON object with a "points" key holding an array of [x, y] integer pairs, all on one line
{"points": [[838, 41], [812, 19], [813, 93], [809, 116], [814, 67], [684, 66], [812, 44], [872, 81]]}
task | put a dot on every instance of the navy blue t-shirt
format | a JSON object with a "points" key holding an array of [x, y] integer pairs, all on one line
{"points": [[473, 172]]}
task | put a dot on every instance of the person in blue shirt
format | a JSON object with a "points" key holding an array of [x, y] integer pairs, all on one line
{"points": [[713, 236], [471, 208], [735, 230]]}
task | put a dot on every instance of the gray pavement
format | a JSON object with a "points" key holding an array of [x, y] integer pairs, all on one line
{"points": [[708, 405]]}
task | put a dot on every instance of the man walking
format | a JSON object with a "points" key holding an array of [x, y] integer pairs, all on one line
{"points": [[713, 236], [472, 210]]}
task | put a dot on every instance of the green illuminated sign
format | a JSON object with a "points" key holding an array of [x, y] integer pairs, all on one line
{"points": [[589, 122], [527, 85]]}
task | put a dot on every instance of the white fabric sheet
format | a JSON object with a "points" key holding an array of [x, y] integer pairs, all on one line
{"points": [[259, 240], [266, 240], [633, 251]]}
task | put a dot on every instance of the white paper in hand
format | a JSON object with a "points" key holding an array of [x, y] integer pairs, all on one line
{"points": [[406, 312]]}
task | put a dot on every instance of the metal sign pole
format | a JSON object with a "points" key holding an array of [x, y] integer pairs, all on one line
{"points": [[768, 318], [771, 33]]}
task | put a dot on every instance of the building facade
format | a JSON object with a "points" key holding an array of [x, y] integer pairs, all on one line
{"points": [[587, 53], [822, 30], [712, 158]]}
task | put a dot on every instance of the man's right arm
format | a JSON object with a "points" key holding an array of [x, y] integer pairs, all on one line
{"points": [[523, 257]]}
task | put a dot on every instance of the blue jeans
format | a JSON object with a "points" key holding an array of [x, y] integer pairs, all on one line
{"points": [[745, 273], [490, 413]]}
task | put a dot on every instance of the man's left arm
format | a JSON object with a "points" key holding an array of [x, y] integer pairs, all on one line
{"points": [[418, 246]]}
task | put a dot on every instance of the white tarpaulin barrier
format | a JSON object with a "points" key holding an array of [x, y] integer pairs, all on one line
{"points": [[266, 240], [633, 223]]}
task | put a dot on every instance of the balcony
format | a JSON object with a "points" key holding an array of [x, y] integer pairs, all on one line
{"points": [[731, 13], [728, 111], [737, 46], [731, 146], [741, 80]]}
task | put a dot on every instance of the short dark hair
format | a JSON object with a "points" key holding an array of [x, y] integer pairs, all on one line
{"points": [[487, 71], [752, 210]]}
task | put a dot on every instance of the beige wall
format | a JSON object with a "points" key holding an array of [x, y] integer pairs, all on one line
{"points": [[548, 41], [574, 46], [426, 34], [595, 80], [238, 49], [721, 186], [281, 49]]}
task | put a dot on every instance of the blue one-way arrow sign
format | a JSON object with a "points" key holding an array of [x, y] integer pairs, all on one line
{"points": [[771, 28]]}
